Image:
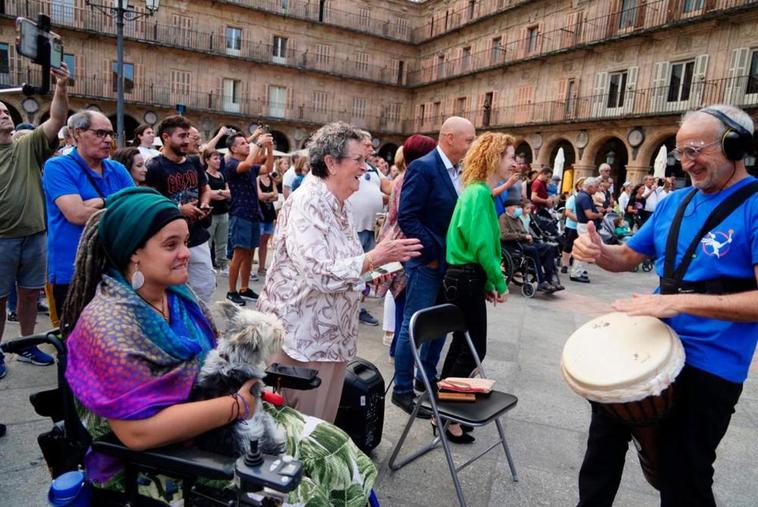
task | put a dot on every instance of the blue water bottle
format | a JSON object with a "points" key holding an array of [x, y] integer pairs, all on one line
{"points": [[69, 490]]}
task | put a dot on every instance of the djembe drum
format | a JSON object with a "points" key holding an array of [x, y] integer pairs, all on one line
{"points": [[627, 365]]}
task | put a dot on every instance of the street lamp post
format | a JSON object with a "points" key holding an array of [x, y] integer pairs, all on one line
{"points": [[121, 11]]}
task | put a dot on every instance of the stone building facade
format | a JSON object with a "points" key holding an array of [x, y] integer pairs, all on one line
{"points": [[603, 80]]}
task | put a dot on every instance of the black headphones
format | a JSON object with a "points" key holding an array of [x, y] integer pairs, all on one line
{"points": [[737, 140]]}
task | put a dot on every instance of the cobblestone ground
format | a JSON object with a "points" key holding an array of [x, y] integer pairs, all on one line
{"points": [[546, 431]]}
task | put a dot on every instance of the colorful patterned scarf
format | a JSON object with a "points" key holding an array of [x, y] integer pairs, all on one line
{"points": [[125, 361]]}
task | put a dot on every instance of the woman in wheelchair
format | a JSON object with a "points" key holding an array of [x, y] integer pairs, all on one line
{"points": [[514, 236], [137, 337], [473, 275]]}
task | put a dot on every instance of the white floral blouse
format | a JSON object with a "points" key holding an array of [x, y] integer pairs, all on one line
{"points": [[314, 284]]}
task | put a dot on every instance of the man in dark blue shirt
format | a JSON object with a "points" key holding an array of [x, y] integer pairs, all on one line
{"points": [[586, 212], [713, 308], [241, 170]]}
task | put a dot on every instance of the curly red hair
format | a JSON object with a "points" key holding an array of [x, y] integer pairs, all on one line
{"points": [[483, 158]]}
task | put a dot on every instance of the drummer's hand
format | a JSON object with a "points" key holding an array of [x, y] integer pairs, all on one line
{"points": [[588, 247], [654, 305]]}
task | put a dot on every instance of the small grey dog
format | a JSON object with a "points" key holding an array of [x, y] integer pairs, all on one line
{"points": [[250, 337]]}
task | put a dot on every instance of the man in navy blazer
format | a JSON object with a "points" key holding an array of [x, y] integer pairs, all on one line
{"points": [[430, 190]]}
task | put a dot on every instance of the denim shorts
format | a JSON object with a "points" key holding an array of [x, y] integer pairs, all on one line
{"points": [[244, 233], [267, 228], [23, 261]]}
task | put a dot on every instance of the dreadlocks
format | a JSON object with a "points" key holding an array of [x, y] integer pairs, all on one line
{"points": [[88, 270]]}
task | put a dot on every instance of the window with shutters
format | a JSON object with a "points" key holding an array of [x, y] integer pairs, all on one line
{"points": [[364, 17], [359, 107], [628, 13], [471, 9], [323, 54], [487, 109], [496, 50], [616, 89], [460, 106], [232, 95], [400, 67], [436, 111], [320, 101], [571, 94], [128, 77], [279, 49], [752, 77], [70, 61], [5, 64], [680, 81], [277, 101], [180, 82], [393, 112], [233, 40], [402, 27], [532, 38], [440, 66], [692, 5], [466, 59], [63, 11], [182, 29], [422, 113], [361, 61]]}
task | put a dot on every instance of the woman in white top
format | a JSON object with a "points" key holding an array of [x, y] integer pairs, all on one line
{"points": [[143, 140], [315, 280]]}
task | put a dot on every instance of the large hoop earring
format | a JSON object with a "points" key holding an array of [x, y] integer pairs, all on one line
{"points": [[138, 279]]}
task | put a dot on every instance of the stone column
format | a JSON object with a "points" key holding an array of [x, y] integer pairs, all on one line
{"points": [[637, 173], [583, 171]]}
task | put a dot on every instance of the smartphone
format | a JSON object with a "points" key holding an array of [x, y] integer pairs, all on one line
{"points": [[26, 42]]}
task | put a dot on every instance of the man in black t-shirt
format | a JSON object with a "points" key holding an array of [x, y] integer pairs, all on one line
{"points": [[182, 179]]}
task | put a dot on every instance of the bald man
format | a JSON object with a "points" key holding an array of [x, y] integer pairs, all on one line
{"points": [[712, 306], [430, 191]]}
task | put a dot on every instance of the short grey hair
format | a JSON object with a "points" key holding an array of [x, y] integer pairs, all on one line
{"points": [[331, 139], [80, 120], [604, 165], [366, 135], [735, 114], [590, 182]]}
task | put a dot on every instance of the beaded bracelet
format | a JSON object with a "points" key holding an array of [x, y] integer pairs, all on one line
{"points": [[246, 415]]}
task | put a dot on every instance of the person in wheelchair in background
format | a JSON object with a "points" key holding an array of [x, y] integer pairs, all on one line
{"points": [[136, 339], [519, 241]]}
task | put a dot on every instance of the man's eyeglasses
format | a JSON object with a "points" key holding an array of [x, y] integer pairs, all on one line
{"points": [[102, 133], [691, 152]]}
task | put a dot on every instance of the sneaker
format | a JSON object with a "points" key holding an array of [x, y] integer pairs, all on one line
{"points": [[235, 298], [3, 369], [367, 318], [564, 269], [42, 307], [253, 276], [580, 279], [406, 401], [249, 294], [12, 317], [36, 357]]}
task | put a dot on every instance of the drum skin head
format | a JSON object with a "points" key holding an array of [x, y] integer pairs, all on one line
{"points": [[617, 352]]}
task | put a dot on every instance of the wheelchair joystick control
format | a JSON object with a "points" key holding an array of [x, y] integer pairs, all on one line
{"points": [[253, 458]]}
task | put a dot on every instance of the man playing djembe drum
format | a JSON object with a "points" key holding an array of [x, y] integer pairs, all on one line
{"points": [[707, 295]]}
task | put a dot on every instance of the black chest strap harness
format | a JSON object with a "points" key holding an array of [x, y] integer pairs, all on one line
{"points": [[671, 282]]}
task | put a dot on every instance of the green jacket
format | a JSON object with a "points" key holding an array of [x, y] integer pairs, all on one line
{"points": [[474, 234]]}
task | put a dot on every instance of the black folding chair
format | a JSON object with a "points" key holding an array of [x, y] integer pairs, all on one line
{"points": [[427, 325]]}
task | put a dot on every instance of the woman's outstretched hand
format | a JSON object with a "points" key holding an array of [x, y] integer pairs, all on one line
{"points": [[399, 250]]}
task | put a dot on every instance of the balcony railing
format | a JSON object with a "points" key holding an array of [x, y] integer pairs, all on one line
{"points": [[638, 103], [441, 23], [584, 32], [209, 41], [101, 88]]}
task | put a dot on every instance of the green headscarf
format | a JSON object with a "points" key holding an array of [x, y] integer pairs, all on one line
{"points": [[132, 216]]}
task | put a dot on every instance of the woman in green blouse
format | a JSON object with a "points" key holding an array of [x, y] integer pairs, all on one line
{"points": [[473, 275]]}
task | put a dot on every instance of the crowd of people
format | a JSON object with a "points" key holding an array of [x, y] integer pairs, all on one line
{"points": [[127, 245]]}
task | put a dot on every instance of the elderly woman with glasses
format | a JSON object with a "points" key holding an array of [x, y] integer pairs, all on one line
{"points": [[318, 268]]}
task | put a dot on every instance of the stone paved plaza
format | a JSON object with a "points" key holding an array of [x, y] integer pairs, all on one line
{"points": [[546, 431]]}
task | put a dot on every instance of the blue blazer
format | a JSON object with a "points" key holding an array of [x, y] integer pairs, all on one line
{"points": [[427, 201]]}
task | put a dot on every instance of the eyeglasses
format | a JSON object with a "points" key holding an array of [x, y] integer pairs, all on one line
{"points": [[691, 152], [360, 159], [102, 133]]}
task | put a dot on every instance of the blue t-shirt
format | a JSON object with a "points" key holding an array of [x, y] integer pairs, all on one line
{"points": [[720, 347], [65, 176], [244, 189], [513, 193], [571, 206], [582, 203]]}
